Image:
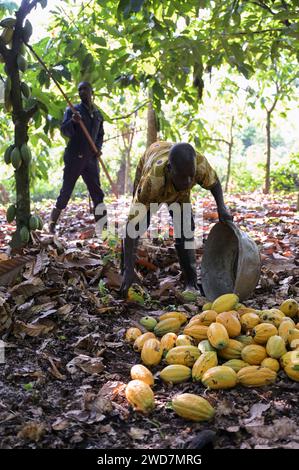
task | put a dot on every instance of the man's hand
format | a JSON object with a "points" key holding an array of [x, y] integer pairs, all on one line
{"points": [[76, 117], [224, 214], [128, 279]]}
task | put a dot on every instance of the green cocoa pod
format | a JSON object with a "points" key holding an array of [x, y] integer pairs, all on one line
{"points": [[26, 153], [8, 22], [33, 222], [22, 62], [16, 158], [40, 223], [7, 35], [27, 31], [23, 49], [148, 322], [25, 90], [24, 234], [11, 213], [7, 95], [7, 154]]}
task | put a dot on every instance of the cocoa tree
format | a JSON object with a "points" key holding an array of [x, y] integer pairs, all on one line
{"points": [[16, 32]]}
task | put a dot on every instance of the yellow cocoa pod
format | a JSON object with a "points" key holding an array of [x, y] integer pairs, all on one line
{"points": [[207, 306], [271, 363], [140, 372], [256, 376], [231, 322], [168, 341], [185, 355], [271, 316], [236, 364], [184, 340], [294, 344], [205, 318], [132, 334], [178, 315], [151, 353], [219, 377], [284, 328], [218, 336], [275, 347], [205, 346], [249, 321], [262, 332], [170, 325], [254, 354], [292, 371], [205, 362], [232, 351], [198, 332], [140, 396], [244, 339], [225, 302], [139, 342], [192, 407], [289, 358], [241, 311], [289, 307], [175, 373], [293, 334]]}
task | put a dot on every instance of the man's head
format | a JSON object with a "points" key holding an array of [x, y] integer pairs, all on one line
{"points": [[182, 166], [85, 92]]}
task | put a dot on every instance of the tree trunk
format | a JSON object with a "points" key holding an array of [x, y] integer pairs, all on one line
{"points": [[268, 163], [152, 131], [230, 151]]}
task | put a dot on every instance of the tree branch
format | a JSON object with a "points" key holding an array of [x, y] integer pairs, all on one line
{"points": [[219, 140], [130, 114], [264, 6], [3, 49]]}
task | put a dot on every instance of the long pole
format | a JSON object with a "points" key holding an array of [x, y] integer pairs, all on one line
{"points": [[81, 123]]}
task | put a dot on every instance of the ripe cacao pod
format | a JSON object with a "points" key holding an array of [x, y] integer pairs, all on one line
{"points": [[168, 341], [232, 351], [284, 328], [205, 362], [254, 354], [236, 364], [219, 377], [192, 407], [204, 318], [151, 353], [198, 332], [205, 346], [140, 396], [184, 340], [132, 334], [249, 321], [207, 306], [256, 376], [217, 335], [275, 347], [175, 373], [185, 355], [292, 371], [178, 315], [225, 302], [170, 325], [271, 363], [262, 332], [289, 307], [139, 342], [140, 372], [231, 322]]}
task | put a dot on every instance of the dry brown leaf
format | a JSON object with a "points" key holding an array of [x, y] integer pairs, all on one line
{"points": [[21, 328], [90, 365], [32, 431], [28, 288]]}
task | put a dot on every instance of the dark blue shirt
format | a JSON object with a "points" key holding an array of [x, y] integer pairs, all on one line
{"points": [[78, 143]]}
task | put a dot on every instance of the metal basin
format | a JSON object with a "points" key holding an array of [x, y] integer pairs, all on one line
{"points": [[231, 262]]}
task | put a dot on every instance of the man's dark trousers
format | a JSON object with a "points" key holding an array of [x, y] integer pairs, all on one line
{"points": [[88, 168]]}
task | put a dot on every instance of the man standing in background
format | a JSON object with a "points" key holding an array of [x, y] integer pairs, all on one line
{"points": [[79, 158]]}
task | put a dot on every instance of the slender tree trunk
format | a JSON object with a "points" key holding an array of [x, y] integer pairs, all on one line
{"points": [[268, 163], [230, 151], [152, 131]]}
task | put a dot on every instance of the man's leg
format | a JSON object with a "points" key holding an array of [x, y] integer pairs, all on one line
{"points": [[70, 176], [91, 177], [129, 252], [184, 226]]}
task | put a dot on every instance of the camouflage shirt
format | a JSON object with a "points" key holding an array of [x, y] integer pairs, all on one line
{"points": [[152, 182]]}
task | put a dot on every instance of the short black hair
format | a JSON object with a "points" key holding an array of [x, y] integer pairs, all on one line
{"points": [[181, 154], [87, 84]]}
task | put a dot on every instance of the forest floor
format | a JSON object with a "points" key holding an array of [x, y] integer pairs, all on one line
{"points": [[66, 362]]}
